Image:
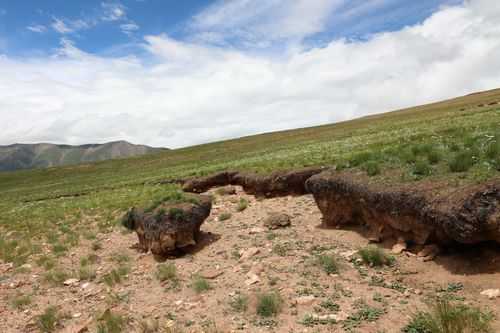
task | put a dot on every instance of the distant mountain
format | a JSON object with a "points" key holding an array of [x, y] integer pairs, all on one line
{"points": [[42, 155]]}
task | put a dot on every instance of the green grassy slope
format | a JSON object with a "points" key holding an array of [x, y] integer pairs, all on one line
{"points": [[456, 140]]}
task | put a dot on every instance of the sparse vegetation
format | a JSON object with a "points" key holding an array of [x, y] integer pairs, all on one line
{"points": [[269, 304], [200, 284], [446, 317], [239, 303], [20, 301], [115, 276], [328, 263], [168, 272], [224, 216], [47, 321], [375, 256], [242, 205], [111, 323]]}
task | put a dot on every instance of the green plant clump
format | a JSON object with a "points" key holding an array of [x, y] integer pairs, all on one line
{"points": [[269, 304], [446, 317]]}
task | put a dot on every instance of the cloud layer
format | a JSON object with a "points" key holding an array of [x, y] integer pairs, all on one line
{"points": [[194, 92]]}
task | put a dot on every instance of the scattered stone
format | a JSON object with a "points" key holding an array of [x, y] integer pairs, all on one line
{"points": [[277, 220], [341, 316], [418, 292], [348, 254], [305, 300], [248, 253], [78, 327], [26, 266], [398, 248], [210, 274], [252, 279], [71, 282], [491, 293], [256, 230]]}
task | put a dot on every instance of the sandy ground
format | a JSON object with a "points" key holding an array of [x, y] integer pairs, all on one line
{"points": [[293, 272]]}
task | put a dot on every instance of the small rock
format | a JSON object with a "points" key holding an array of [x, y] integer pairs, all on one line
{"points": [[26, 266], [348, 254], [429, 251], [256, 230], [70, 282], [305, 300], [278, 220], [77, 315], [398, 248], [210, 274], [418, 292], [253, 279], [248, 253], [491, 293], [85, 285]]}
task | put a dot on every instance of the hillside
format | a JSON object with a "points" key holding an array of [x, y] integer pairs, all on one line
{"points": [[62, 240], [43, 155]]}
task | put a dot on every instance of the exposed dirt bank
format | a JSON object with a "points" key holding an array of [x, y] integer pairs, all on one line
{"points": [[420, 212]]}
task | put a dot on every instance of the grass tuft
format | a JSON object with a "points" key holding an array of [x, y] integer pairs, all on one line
{"points": [[328, 263], [239, 303], [375, 256], [224, 216], [242, 205], [200, 284], [269, 304], [461, 162], [47, 321], [166, 272], [446, 317], [111, 323]]}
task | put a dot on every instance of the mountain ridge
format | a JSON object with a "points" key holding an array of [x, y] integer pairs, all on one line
{"points": [[22, 156]]}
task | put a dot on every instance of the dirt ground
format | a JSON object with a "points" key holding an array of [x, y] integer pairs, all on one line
{"points": [[283, 260]]}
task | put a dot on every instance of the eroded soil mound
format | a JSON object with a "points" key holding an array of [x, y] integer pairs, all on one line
{"points": [[417, 212], [276, 184], [169, 226]]}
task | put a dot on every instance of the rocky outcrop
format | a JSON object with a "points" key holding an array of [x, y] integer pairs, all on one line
{"points": [[169, 226], [420, 213], [280, 183]]}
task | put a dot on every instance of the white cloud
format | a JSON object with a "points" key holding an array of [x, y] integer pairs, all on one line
{"points": [[253, 20], [192, 93], [60, 26], [129, 28], [38, 28], [113, 11]]}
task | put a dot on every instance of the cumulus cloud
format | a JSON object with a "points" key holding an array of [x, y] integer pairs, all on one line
{"points": [[188, 93]]}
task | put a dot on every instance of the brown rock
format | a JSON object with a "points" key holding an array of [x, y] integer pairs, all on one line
{"points": [[277, 220]]}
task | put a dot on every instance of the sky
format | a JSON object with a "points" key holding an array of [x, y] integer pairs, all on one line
{"points": [[179, 73]]}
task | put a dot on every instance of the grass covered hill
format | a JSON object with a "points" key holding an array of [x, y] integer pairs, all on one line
{"points": [[42, 155], [456, 141]]}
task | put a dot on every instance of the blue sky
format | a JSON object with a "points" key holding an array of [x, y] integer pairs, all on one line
{"points": [[36, 26], [177, 73]]}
